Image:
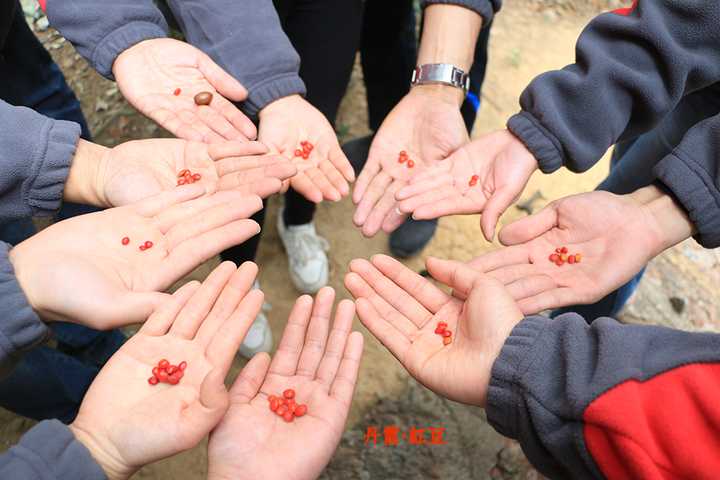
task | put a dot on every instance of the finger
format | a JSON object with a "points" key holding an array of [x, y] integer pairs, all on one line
{"points": [[291, 343], [327, 370], [341, 163], [455, 275], [191, 253], [222, 81], [375, 190], [230, 165], [302, 184], [512, 273], [397, 343], [344, 385], [385, 205], [233, 115], [550, 299], [323, 184], [173, 215], [212, 404], [250, 380], [496, 205], [222, 348], [212, 219], [432, 182], [170, 121], [429, 296], [530, 286], [502, 257], [250, 180], [317, 332], [219, 124], [367, 175], [335, 178], [428, 198], [401, 300], [393, 220], [531, 227], [154, 205], [160, 321], [453, 205], [359, 288], [189, 319], [236, 288], [219, 151]]}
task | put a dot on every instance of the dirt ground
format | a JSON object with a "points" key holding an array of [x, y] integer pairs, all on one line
{"points": [[526, 40]]}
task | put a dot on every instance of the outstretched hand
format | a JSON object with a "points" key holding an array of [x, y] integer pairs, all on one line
{"points": [[402, 309], [321, 365], [124, 421], [99, 282]]}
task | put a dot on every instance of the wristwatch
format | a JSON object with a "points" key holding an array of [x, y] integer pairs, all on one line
{"points": [[441, 73]]}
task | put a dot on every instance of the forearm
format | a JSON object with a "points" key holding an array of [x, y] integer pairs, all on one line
{"points": [[82, 184], [669, 224], [248, 42], [485, 8]]}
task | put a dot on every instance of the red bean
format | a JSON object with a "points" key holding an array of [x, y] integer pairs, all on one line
{"points": [[289, 393], [554, 257], [181, 181], [564, 250], [578, 257], [300, 410], [153, 380], [447, 340], [411, 164], [173, 379], [298, 153], [125, 240], [182, 365], [183, 172], [142, 248], [288, 417], [163, 363], [156, 371], [558, 250], [447, 333], [163, 376], [171, 369], [148, 244], [281, 410], [274, 404], [473, 180], [571, 259], [305, 156], [177, 92], [196, 177]]}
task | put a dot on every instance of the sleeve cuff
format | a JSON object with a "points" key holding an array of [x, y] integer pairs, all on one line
{"points": [[485, 8], [505, 396], [20, 329], [538, 140], [51, 166], [53, 448], [695, 190], [274, 88], [120, 40]]}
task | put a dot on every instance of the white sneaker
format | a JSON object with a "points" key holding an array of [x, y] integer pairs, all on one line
{"points": [[306, 255], [259, 336]]}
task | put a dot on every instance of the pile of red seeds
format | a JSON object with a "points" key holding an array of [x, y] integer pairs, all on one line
{"points": [[403, 157], [307, 147], [186, 177], [284, 406], [143, 246], [473, 180], [443, 331], [164, 372], [561, 256]]}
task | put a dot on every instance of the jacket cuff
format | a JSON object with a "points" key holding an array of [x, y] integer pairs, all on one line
{"points": [[695, 190], [541, 143], [505, 393], [51, 166], [52, 447], [121, 39], [272, 89], [20, 329], [485, 8]]}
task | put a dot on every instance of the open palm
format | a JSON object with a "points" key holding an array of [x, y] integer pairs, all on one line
{"points": [[615, 236], [402, 309], [501, 166], [428, 130], [139, 169], [99, 282], [149, 73], [325, 174], [322, 368], [132, 423]]}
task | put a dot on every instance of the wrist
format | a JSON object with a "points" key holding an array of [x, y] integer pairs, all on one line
{"points": [[84, 180], [280, 104], [449, 35], [669, 224], [112, 468], [439, 93]]}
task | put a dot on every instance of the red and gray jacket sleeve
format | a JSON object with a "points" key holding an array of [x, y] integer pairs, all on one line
{"points": [[485, 8], [100, 31], [609, 400], [49, 451], [633, 66], [247, 40]]}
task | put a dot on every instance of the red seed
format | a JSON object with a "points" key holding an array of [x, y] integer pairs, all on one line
{"points": [[577, 258], [473, 180], [125, 240], [303, 143], [182, 365], [571, 259], [403, 153], [309, 147], [447, 333], [439, 330], [288, 417], [142, 248], [559, 263], [183, 172], [554, 257], [271, 397], [289, 393], [411, 164], [558, 250], [281, 410], [305, 156], [298, 153], [179, 374], [300, 410], [402, 159], [274, 404], [442, 324], [156, 371], [173, 379], [153, 380], [181, 181], [447, 340], [148, 244], [563, 250], [163, 363], [196, 177], [171, 369], [163, 376], [177, 92]]}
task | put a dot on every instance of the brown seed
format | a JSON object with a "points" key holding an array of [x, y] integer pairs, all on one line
{"points": [[203, 98]]}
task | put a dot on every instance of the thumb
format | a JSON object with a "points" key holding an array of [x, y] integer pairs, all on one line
{"points": [[496, 205], [530, 227], [224, 83], [212, 403], [136, 307], [250, 379], [456, 275]]}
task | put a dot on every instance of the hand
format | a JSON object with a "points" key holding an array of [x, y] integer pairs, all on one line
{"points": [[253, 442], [616, 236], [126, 423], [149, 73], [402, 309], [136, 170], [325, 174], [503, 166], [427, 124], [96, 281]]}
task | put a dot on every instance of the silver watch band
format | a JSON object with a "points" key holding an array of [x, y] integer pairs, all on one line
{"points": [[441, 73]]}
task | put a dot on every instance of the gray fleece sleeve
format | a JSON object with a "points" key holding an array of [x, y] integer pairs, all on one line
{"points": [[692, 173], [35, 155], [485, 8], [581, 399], [247, 41], [49, 451], [100, 31], [630, 71]]}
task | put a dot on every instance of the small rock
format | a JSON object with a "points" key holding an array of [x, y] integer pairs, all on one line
{"points": [[678, 304], [101, 105], [42, 24]]}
